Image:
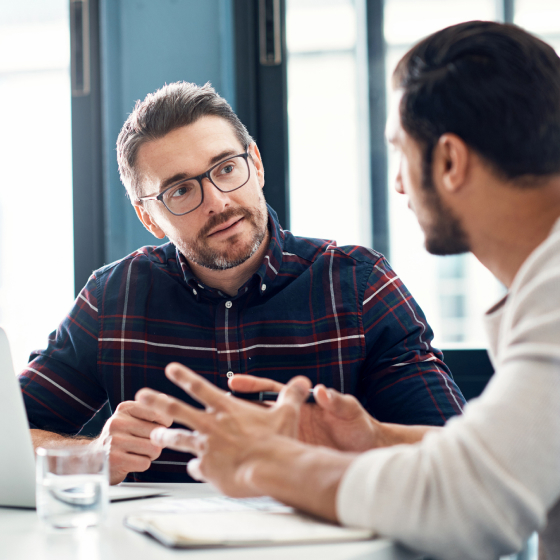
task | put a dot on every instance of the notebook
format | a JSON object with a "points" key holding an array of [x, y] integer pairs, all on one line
{"points": [[17, 458], [229, 522]]}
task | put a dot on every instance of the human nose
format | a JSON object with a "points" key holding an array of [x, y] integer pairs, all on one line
{"points": [[398, 179], [215, 201], [399, 185]]}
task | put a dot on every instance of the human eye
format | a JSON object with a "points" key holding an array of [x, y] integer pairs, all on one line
{"points": [[180, 191], [227, 167]]}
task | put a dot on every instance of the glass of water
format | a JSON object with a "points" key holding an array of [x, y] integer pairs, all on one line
{"points": [[72, 486]]}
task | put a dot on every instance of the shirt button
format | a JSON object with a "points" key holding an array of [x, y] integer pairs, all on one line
{"points": [[229, 374], [228, 304], [263, 287], [194, 292]]}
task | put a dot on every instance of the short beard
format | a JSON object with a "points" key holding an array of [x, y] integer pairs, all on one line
{"points": [[446, 235], [200, 253]]}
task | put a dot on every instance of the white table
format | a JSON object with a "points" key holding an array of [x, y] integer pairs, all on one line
{"points": [[23, 537]]}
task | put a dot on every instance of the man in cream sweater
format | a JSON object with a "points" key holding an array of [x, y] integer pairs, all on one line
{"points": [[476, 123]]}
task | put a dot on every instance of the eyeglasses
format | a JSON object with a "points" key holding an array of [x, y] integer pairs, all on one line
{"points": [[187, 195]]}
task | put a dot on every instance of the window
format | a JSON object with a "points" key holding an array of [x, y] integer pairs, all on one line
{"points": [[36, 246], [328, 123], [541, 17], [329, 151]]}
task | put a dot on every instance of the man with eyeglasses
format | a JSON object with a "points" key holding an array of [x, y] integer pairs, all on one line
{"points": [[232, 295]]}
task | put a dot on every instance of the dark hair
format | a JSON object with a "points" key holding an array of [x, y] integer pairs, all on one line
{"points": [[171, 107], [496, 86]]}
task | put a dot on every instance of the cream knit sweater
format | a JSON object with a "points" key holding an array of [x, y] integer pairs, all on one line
{"points": [[478, 488]]}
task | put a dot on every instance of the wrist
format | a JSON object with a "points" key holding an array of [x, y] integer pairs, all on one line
{"points": [[389, 434], [395, 434], [304, 476], [269, 460]]}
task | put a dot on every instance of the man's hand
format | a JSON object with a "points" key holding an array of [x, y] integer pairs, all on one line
{"points": [[230, 435], [128, 433], [338, 421]]}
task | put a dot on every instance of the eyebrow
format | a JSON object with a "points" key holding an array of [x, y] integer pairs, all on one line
{"points": [[182, 176]]}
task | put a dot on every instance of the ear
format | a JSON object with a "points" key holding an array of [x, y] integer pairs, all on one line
{"points": [[257, 161], [451, 162], [148, 222]]}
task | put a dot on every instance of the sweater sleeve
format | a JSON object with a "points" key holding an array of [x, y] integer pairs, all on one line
{"points": [[478, 488]]}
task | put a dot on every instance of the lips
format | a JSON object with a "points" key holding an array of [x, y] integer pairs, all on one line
{"points": [[226, 225]]}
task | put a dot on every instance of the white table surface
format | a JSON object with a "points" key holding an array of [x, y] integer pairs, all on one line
{"points": [[23, 537]]}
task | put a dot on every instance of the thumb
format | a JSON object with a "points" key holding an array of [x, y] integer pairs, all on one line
{"points": [[193, 468], [346, 407], [295, 393]]}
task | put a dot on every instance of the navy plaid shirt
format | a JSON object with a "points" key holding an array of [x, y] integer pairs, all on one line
{"points": [[338, 315]]}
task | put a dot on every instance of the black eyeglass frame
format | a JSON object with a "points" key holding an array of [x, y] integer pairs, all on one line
{"points": [[199, 178]]}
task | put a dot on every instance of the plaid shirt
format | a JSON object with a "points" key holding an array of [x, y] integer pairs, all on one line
{"points": [[338, 315]]}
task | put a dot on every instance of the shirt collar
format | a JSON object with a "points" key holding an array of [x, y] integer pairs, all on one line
{"points": [[266, 273], [272, 260]]}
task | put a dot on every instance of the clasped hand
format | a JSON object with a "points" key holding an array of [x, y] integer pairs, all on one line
{"points": [[127, 433]]}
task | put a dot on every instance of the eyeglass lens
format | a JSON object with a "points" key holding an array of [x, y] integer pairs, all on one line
{"points": [[227, 176]]}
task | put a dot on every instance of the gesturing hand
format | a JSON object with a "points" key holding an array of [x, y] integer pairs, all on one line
{"points": [[130, 448], [229, 434], [336, 420]]}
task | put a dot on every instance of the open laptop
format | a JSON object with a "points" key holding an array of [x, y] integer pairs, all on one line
{"points": [[17, 456]]}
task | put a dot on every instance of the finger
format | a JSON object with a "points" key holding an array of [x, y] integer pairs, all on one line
{"points": [[346, 407], [134, 445], [143, 412], [323, 396], [124, 462], [179, 411], [193, 468], [196, 386], [251, 384], [137, 428], [295, 393], [179, 440]]}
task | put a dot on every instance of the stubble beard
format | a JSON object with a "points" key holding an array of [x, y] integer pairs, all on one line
{"points": [[199, 252], [445, 235]]}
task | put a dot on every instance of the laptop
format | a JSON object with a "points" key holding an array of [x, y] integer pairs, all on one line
{"points": [[17, 456]]}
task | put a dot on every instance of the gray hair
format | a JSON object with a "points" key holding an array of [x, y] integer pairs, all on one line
{"points": [[171, 107]]}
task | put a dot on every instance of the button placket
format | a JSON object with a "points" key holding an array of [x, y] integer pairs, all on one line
{"points": [[227, 339]]}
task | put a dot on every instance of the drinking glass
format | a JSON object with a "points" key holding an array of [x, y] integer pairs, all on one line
{"points": [[72, 486]]}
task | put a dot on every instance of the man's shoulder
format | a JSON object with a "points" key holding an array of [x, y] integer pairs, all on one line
{"points": [[313, 249], [151, 255], [530, 324], [542, 264]]}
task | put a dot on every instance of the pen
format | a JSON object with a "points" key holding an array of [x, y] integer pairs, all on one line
{"points": [[265, 396]]}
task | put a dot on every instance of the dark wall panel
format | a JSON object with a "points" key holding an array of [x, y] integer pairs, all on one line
{"points": [[143, 46]]}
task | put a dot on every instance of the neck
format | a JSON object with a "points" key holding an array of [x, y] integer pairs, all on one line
{"points": [[509, 228], [229, 281]]}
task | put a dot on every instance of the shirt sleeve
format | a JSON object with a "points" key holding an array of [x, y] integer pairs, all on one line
{"points": [[60, 385], [403, 377], [478, 488]]}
